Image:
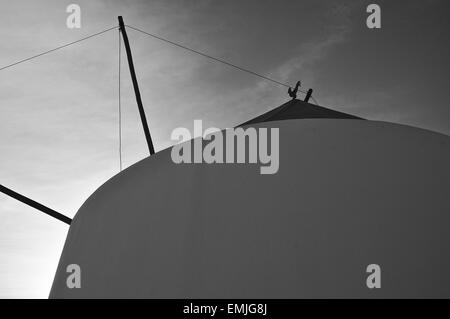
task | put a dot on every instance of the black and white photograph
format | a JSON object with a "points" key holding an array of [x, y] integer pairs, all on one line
{"points": [[223, 156]]}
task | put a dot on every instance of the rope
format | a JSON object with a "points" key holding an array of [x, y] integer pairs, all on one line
{"points": [[162, 39], [120, 107], [210, 57], [218, 60], [55, 49]]}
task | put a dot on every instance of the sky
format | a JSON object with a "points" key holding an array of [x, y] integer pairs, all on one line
{"points": [[59, 112]]}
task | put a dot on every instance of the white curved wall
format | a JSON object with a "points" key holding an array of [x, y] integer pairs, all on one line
{"points": [[348, 193]]}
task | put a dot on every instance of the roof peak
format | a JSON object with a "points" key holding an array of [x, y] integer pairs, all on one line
{"points": [[297, 109]]}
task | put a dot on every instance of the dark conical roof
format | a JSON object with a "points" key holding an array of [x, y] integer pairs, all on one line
{"points": [[297, 109]]}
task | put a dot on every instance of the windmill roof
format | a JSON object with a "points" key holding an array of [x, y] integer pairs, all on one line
{"points": [[297, 109]]}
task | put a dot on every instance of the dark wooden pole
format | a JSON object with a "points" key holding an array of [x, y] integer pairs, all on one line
{"points": [[136, 87], [308, 95], [35, 205]]}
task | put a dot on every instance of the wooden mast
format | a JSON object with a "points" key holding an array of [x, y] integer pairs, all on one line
{"points": [[35, 204], [136, 87]]}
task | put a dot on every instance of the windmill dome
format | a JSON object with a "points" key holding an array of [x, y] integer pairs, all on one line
{"points": [[348, 193]]}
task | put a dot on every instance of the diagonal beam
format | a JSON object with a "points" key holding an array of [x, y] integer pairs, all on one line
{"points": [[35, 204], [136, 87]]}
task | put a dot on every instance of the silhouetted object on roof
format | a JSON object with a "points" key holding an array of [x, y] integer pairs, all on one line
{"points": [[296, 109], [308, 95], [293, 93]]}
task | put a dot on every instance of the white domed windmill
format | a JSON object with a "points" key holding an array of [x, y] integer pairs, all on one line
{"points": [[349, 193]]}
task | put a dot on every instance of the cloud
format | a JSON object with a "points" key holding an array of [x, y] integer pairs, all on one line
{"points": [[308, 54]]}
